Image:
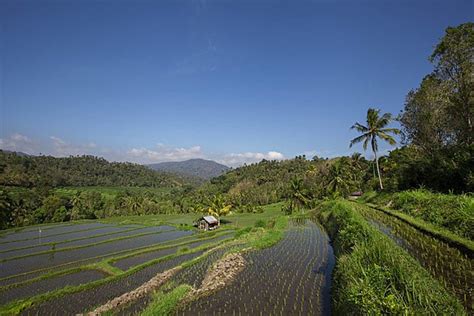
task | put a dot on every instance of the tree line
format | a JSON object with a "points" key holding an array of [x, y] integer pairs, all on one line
{"points": [[437, 153], [48, 171]]}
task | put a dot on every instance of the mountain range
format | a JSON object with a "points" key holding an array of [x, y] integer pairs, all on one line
{"points": [[200, 168]]}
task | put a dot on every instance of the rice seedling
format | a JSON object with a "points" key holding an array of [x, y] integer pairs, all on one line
{"points": [[375, 276], [291, 277], [452, 267]]}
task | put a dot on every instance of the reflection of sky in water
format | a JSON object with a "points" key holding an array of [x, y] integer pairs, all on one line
{"points": [[389, 232]]}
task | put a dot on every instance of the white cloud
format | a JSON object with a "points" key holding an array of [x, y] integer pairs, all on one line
{"points": [[164, 153], [17, 142], [60, 147], [238, 159]]}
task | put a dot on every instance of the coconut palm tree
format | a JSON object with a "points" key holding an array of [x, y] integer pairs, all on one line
{"points": [[298, 194], [376, 128]]}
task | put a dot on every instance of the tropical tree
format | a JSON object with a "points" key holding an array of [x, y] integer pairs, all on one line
{"points": [[338, 183], [218, 207], [375, 129], [298, 195]]}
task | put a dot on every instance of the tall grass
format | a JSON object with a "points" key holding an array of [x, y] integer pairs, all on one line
{"points": [[164, 303], [375, 276], [450, 211]]}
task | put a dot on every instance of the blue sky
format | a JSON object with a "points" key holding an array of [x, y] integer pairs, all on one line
{"points": [[234, 81]]}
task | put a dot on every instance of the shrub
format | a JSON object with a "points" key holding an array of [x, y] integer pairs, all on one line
{"points": [[450, 211]]}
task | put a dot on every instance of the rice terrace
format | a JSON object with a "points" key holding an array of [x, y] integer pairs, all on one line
{"points": [[205, 157]]}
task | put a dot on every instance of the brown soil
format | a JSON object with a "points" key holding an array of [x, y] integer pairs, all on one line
{"points": [[146, 288], [221, 274]]}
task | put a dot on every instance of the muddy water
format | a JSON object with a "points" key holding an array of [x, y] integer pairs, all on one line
{"points": [[446, 263], [290, 278]]}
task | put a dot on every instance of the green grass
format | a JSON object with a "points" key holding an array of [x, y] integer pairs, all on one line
{"points": [[164, 303], [463, 244], [240, 220], [373, 275], [449, 211]]}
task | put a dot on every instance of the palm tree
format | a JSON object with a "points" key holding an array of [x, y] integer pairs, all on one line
{"points": [[376, 128], [298, 194]]}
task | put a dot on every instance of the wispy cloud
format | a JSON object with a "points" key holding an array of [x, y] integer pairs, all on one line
{"points": [[199, 61], [162, 153], [18, 142], [63, 148], [59, 147], [238, 159]]}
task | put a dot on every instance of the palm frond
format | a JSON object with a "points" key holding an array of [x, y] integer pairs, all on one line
{"points": [[395, 131], [372, 118], [366, 142], [357, 140], [359, 127], [387, 138], [384, 120]]}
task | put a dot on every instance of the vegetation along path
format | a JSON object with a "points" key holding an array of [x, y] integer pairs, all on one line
{"points": [[290, 278], [446, 263]]}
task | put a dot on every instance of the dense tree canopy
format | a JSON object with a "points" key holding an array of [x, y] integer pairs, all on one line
{"points": [[32, 171]]}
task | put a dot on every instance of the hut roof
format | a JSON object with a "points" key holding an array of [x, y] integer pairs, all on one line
{"points": [[210, 219]]}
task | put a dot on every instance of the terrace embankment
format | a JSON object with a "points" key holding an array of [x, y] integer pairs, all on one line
{"points": [[193, 275], [141, 291], [221, 274], [446, 263], [290, 278], [91, 298], [375, 276]]}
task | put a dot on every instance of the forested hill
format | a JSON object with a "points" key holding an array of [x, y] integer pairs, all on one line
{"points": [[200, 168], [31, 171]]}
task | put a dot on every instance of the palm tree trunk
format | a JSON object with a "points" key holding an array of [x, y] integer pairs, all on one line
{"points": [[378, 169]]}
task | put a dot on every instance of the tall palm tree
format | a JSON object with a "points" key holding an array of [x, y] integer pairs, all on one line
{"points": [[376, 128]]}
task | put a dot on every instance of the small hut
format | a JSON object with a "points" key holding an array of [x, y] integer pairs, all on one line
{"points": [[208, 223], [355, 195]]}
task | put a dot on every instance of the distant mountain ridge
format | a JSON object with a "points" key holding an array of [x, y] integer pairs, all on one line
{"points": [[200, 168]]}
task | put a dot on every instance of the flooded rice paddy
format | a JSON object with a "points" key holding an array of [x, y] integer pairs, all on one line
{"points": [[50, 284], [81, 244], [33, 233], [192, 275], [448, 264], [129, 262], [290, 278], [38, 261], [72, 304]]}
